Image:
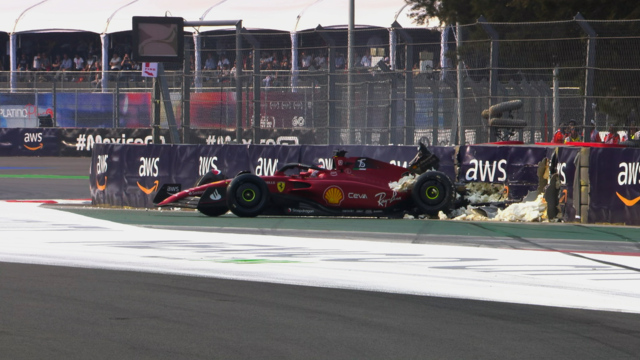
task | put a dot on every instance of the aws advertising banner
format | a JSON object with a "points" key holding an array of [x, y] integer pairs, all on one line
{"points": [[515, 166], [263, 136], [567, 168], [29, 142], [129, 175], [125, 175], [614, 178]]}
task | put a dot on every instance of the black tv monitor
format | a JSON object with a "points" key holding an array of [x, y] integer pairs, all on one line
{"points": [[158, 39]]}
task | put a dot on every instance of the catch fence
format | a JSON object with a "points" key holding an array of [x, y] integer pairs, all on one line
{"points": [[428, 85]]}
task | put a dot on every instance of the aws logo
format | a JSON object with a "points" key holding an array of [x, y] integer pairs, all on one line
{"points": [[30, 138], [206, 164], [148, 168], [101, 168], [486, 171], [629, 175]]}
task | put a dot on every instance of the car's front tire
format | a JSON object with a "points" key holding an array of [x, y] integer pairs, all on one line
{"points": [[247, 195], [433, 192]]}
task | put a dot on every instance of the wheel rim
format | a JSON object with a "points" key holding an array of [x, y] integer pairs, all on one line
{"points": [[432, 192], [248, 195]]}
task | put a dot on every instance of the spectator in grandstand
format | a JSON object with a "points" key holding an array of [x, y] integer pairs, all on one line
{"points": [[305, 61], [45, 62], [37, 63], [634, 134], [56, 63], [340, 62], [284, 64], [595, 136], [416, 69], [560, 134], [90, 64], [320, 62], [365, 61], [23, 63], [96, 77], [78, 63], [225, 74], [612, 137], [65, 65], [222, 62], [126, 63], [247, 62], [574, 135], [210, 63], [115, 63]]}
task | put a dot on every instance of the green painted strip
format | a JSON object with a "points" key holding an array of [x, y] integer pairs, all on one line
{"points": [[35, 176]]}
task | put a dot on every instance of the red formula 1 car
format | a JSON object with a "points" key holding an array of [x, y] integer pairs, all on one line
{"points": [[355, 186]]}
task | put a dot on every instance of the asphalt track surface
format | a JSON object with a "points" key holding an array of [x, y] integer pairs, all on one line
{"points": [[72, 313]]}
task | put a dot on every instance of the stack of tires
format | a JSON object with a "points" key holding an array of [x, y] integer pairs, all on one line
{"points": [[497, 122]]}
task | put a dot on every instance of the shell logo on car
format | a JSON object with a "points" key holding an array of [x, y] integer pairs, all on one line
{"points": [[333, 195]]}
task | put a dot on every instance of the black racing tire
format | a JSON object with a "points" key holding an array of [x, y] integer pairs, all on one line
{"points": [[433, 192], [497, 109], [507, 123], [247, 195], [209, 177]]}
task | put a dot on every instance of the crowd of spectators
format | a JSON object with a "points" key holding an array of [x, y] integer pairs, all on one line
{"points": [[63, 67], [569, 132], [84, 64]]}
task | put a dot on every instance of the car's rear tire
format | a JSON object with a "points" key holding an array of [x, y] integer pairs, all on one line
{"points": [[433, 192], [247, 195]]}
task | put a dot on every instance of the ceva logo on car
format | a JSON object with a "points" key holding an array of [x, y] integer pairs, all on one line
{"points": [[31, 138], [149, 168]]}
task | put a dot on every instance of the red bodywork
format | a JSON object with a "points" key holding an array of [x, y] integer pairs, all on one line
{"points": [[356, 185]]}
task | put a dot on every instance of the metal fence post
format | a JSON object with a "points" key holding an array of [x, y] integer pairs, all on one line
{"points": [[186, 92], [589, 73], [409, 91], [460, 89]]}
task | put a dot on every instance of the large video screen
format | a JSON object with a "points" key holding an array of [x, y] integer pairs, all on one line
{"points": [[158, 39]]}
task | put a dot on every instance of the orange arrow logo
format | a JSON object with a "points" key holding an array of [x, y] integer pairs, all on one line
{"points": [[34, 148], [101, 187], [627, 201], [148, 191]]}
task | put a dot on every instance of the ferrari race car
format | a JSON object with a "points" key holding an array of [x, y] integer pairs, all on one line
{"points": [[354, 186]]}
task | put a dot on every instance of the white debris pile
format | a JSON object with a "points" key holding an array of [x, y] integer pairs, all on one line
{"points": [[535, 210], [405, 183], [479, 192], [469, 213], [529, 211]]}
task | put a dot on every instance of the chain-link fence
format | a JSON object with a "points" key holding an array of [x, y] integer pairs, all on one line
{"points": [[405, 85]]}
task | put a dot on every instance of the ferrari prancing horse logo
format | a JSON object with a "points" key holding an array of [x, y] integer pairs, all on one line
{"points": [[281, 186]]}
